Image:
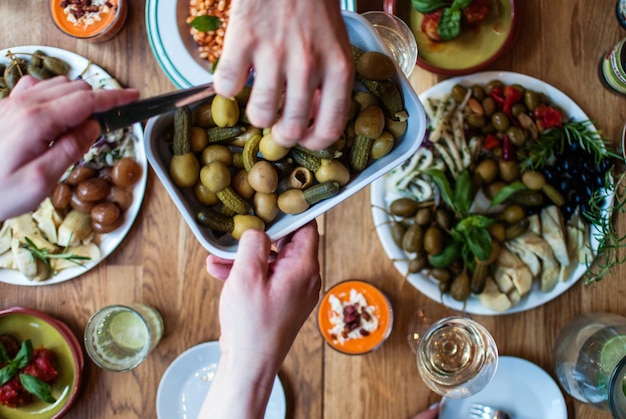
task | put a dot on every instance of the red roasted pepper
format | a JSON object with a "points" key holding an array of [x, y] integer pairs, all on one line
{"points": [[491, 142], [511, 97], [498, 96], [548, 117]]}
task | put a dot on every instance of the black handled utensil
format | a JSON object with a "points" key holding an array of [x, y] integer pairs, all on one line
{"points": [[122, 116]]}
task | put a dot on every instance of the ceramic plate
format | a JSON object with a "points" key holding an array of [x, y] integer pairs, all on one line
{"points": [[99, 79], [187, 380], [42, 329], [382, 196], [173, 46], [519, 387], [473, 50]]}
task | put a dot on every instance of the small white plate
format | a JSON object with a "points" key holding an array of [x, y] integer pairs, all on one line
{"points": [[98, 78], [382, 195], [521, 388], [186, 382], [173, 46]]}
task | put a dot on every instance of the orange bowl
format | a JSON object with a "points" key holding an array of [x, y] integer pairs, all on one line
{"points": [[374, 298], [471, 51], [102, 28], [44, 330]]}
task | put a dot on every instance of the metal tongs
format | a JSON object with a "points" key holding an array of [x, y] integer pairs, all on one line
{"points": [[122, 116]]}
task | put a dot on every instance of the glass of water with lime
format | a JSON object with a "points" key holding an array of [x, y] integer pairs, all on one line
{"points": [[590, 361], [120, 337]]}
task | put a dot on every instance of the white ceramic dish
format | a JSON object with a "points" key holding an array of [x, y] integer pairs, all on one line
{"points": [[99, 79], [362, 35], [382, 196], [187, 380], [519, 387], [174, 47]]}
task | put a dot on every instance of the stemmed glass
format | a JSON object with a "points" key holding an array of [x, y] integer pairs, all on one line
{"points": [[456, 356]]}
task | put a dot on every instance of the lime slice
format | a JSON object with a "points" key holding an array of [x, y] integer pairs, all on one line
{"points": [[612, 352], [128, 330]]}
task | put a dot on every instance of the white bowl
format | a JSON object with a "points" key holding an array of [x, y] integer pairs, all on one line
{"points": [[362, 35]]}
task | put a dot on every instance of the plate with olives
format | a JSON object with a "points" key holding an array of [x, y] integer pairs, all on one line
{"points": [[540, 176], [117, 165]]}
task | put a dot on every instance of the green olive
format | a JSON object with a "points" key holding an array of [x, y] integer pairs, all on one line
{"points": [[225, 111], [184, 169], [243, 96], [246, 222], [374, 65], [204, 195], [492, 189], [270, 149], [460, 287], [487, 169], [489, 105], [382, 146], [517, 135], [497, 231], [493, 83], [370, 122], [531, 100], [533, 180], [518, 108], [215, 176], [333, 170], [265, 206], [202, 117], [458, 93], [513, 213], [476, 121], [500, 121], [365, 99], [292, 201], [527, 198], [413, 239], [263, 177], [396, 128], [240, 184], [478, 91], [217, 152], [509, 170], [198, 139]]}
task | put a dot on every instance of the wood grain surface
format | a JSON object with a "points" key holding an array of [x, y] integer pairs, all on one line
{"points": [[161, 263]]}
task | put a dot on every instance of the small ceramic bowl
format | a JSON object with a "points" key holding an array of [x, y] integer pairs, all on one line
{"points": [[470, 52], [43, 330], [363, 36], [99, 24], [360, 340]]}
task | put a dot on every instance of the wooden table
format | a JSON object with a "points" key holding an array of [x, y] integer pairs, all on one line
{"points": [[160, 262]]}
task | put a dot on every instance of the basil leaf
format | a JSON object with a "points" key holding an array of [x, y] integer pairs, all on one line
{"points": [[463, 193], [7, 372], [479, 221], [506, 192], [428, 6], [443, 185], [24, 355], [4, 356], [479, 242], [461, 4], [450, 24], [37, 387], [206, 23]]}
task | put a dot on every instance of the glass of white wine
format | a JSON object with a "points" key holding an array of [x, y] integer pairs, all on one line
{"points": [[456, 356]]}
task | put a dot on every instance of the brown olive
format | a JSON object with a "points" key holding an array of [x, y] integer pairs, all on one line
{"points": [[205, 196], [61, 196], [126, 172], [92, 189], [517, 135], [489, 105], [80, 173], [300, 178], [215, 176], [443, 218], [80, 205], [265, 206], [509, 170], [460, 287], [241, 186], [333, 170], [370, 122], [487, 169], [533, 180], [121, 196], [365, 99], [497, 231], [458, 93], [217, 152], [105, 213], [198, 139], [263, 177], [433, 240], [416, 264], [500, 121], [513, 213], [404, 207], [202, 117], [397, 232], [374, 65], [413, 239], [103, 229], [382, 146], [441, 274], [492, 189], [424, 216]]}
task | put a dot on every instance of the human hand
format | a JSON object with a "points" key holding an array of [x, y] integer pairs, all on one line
{"points": [[45, 129], [301, 47], [431, 413]]}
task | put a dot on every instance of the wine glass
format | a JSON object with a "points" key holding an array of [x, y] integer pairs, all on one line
{"points": [[456, 356]]}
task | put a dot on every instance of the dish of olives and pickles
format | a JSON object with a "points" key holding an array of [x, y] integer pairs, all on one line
{"points": [[506, 203], [107, 185]]}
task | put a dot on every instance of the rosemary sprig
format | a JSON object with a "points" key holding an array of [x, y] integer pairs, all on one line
{"points": [[45, 256]]}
